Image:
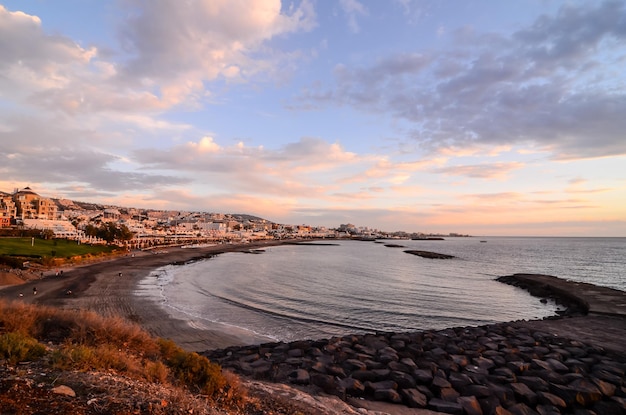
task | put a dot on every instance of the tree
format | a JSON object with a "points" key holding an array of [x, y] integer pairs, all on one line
{"points": [[47, 234]]}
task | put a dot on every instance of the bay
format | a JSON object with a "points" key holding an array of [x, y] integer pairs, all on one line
{"points": [[316, 291]]}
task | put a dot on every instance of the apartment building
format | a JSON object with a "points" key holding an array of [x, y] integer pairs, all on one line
{"points": [[25, 204]]}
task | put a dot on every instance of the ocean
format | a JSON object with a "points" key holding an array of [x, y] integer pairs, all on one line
{"points": [[296, 292]]}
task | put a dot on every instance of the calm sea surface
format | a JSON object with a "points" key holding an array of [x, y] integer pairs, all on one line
{"points": [[300, 292]]}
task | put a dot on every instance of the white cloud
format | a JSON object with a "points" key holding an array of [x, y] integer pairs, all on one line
{"points": [[551, 85], [352, 9]]}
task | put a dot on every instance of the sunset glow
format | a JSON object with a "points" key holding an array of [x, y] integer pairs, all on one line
{"points": [[486, 118]]}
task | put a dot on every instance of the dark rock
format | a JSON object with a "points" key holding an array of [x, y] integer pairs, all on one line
{"points": [[413, 398], [607, 389], [404, 380], [470, 405], [607, 376], [449, 394], [388, 395], [365, 375], [426, 391], [446, 407], [295, 352], [300, 377], [430, 255], [440, 382], [479, 391], [335, 371], [521, 409], [557, 366], [326, 382], [523, 393], [489, 404], [506, 373], [550, 399], [352, 387], [385, 384], [459, 380], [608, 408], [534, 382], [354, 364], [423, 376], [547, 410]]}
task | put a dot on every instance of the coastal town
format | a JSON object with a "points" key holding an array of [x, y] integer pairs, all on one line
{"points": [[144, 228]]}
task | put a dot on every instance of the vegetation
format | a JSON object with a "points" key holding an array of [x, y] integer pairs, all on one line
{"points": [[15, 251], [85, 341], [109, 232]]}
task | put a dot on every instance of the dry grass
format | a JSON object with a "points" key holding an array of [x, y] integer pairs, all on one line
{"points": [[85, 341]]}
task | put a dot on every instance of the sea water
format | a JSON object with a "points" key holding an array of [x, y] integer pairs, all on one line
{"points": [[314, 291]]}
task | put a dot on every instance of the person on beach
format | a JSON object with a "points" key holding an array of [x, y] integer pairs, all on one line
{"points": [[120, 274], [34, 290]]}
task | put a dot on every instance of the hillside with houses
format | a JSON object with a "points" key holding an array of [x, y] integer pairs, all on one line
{"points": [[63, 218]]}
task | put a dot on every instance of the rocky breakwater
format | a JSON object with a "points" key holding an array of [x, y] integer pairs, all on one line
{"points": [[496, 369]]}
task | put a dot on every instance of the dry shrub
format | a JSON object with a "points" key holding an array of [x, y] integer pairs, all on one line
{"points": [[156, 371], [19, 317], [87, 341], [17, 347], [193, 370]]}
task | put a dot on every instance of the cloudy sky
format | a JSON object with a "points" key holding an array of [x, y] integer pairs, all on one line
{"points": [[482, 117]]}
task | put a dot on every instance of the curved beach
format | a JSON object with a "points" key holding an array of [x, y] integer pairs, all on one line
{"points": [[100, 288], [596, 324]]}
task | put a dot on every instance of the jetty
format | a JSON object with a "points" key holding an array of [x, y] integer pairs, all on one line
{"points": [[572, 363]]}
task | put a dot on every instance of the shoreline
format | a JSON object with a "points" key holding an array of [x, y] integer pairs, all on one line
{"points": [[109, 289], [98, 287]]}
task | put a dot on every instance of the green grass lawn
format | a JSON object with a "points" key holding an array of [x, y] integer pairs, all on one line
{"points": [[62, 248]]}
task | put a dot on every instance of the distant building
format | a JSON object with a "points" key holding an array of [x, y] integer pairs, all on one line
{"points": [[29, 205]]}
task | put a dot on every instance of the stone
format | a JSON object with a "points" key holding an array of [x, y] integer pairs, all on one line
{"points": [[547, 410], [606, 388], [522, 409], [459, 380], [548, 398], [385, 384], [470, 405], [449, 394], [523, 393], [501, 411], [64, 390], [586, 392], [352, 387], [365, 375], [479, 391], [534, 382], [326, 382], [388, 395], [423, 376], [300, 377], [440, 405], [404, 380], [607, 376], [557, 366], [413, 398], [440, 382], [483, 363], [354, 364]]}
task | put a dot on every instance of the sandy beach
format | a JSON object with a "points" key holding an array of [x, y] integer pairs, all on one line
{"points": [[100, 288]]}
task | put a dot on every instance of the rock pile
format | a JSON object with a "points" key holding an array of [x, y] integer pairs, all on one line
{"points": [[497, 369]]}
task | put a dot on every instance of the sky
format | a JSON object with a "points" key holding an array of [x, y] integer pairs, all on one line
{"points": [[480, 117]]}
